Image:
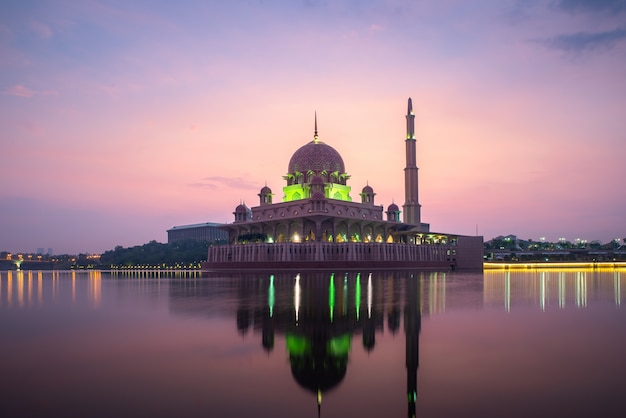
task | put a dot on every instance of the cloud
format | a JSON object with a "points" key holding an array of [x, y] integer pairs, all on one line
{"points": [[41, 29], [585, 41], [208, 186], [19, 90], [594, 6], [373, 28], [218, 182], [31, 128]]}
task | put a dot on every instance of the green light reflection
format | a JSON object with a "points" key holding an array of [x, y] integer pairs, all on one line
{"points": [[357, 296], [331, 296], [270, 296]]}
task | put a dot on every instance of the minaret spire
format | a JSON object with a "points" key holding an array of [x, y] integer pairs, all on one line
{"points": [[412, 208], [410, 121], [315, 136]]}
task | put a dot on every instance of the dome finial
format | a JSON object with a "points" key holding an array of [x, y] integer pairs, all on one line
{"points": [[315, 136]]}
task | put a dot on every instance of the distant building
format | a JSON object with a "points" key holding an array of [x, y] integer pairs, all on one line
{"points": [[207, 231]]}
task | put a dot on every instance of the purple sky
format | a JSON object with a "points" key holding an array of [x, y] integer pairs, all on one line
{"points": [[122, 119]]}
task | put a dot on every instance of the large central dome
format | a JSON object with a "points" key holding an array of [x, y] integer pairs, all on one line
{"points": [[316, 156]]}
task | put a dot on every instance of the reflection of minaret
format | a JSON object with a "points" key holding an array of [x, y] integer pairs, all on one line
{"points": [[243, 310], [412, 325], [393, 315], [268, 319], [411, 205], [369, 324]]}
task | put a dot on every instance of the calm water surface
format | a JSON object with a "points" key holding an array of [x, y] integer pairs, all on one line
{"points": [[385, 344]]}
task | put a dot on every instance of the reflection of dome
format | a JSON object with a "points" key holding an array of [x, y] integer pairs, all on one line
{"points": [[314, 378], [367, 190], [393, 208], [266, 190], [318, 365], [317, 157]]}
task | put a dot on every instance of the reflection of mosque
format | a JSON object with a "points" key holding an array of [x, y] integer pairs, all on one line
{"points": [[318, 314]]}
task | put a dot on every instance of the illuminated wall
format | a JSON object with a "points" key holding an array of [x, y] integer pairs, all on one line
{"points": [[303, 191]]}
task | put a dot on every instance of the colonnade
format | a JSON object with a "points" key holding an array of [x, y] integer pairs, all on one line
{"points": [[321, 251]]}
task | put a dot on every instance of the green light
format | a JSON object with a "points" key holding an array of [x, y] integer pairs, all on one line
{"points": [[297, 345], [331, 296], [340, 346], [357, 296], [270, 296], [345, 295]]}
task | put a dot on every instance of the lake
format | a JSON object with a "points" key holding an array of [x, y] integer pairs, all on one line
{"points": [[382, 344]]}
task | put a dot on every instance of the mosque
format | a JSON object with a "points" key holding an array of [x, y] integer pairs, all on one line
{"points": [[318, 225]]}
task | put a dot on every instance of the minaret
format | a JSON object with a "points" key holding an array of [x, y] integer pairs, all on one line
{"points": [[411, 213]]}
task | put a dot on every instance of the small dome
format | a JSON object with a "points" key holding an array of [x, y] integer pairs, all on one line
{"points": [[241, 208], [318, 196], [368, 190], [266, 190], [316, 156], [393, 208]]}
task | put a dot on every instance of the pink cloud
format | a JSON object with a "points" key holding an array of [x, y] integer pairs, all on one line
{"points": [[19, 90], [218, 182], [31, 128], [41, 29], [374, 27]]}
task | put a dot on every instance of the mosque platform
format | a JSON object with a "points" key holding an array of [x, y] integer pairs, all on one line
{"points": [[331, 256]]}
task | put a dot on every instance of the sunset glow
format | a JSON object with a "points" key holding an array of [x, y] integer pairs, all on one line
{"points": [[120, 120]]}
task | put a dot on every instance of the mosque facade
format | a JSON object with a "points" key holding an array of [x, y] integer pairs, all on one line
{"points": [[318, 225]]}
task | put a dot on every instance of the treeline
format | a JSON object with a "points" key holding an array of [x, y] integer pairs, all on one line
{"points": [[154, 253]]}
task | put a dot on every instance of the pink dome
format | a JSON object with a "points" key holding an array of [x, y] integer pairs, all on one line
{"points": [[316, 156], [393, 208]]}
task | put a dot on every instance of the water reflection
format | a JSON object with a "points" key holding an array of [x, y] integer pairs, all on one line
{"points": [[551, 288], [439, 291], [312, 343], [21, 289], [317, 314]]}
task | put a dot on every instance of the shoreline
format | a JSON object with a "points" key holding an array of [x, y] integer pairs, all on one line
{"points": [[591, 265]]}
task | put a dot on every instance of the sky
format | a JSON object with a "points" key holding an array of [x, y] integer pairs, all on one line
{"points": [[120, 120]]}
